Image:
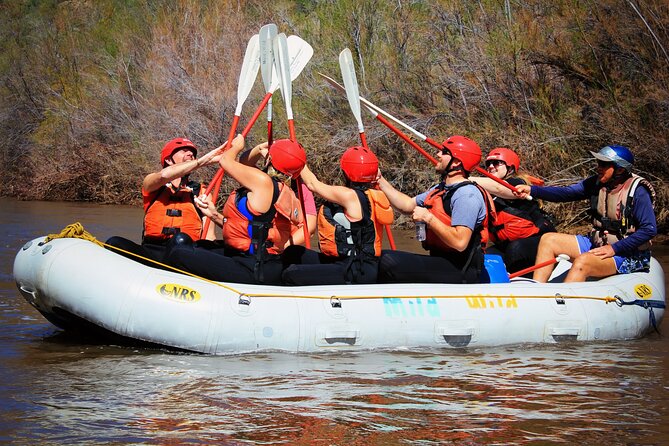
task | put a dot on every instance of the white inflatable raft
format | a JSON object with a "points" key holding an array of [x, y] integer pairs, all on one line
{"points": [[77, 284]]}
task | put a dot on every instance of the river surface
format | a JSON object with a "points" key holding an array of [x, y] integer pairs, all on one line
{"points": [[58, 389]]}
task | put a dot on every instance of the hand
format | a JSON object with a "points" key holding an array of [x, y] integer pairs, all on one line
{"points": [[206, 206], [422, 214], [212, 157], [262, 149], [603, 252], [237, 144], [522, 191]]}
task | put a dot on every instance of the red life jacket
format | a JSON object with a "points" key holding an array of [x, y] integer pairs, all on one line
{"points": [[339, 237], [518, 219], [169, 211], [264, 233], [438, 202]]}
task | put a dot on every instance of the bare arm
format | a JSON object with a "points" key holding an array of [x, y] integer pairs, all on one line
{"points": [[251, 157], [494, 188], [256, 181], [400, 201], [208, 209], [341, 195], [297, 237], [457, 237], [156, 180]]}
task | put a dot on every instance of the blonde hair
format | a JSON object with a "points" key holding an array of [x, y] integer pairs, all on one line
{"points": [[278, 176]]}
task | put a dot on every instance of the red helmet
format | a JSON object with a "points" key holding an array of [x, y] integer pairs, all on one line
{"points": [[464, 149], [359, 164], [287, 157], [173, 146], [507, 155]]}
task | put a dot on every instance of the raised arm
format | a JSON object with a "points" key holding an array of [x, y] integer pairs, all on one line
{"points": [[400, 201], [251, 157], [256, 181], [341, 195], [156, 180]]}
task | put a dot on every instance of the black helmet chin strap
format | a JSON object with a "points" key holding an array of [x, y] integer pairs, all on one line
{"points": [[450, 169]]}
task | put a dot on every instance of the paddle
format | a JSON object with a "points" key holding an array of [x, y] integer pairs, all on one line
{"points": [[353, 95], [247, 77], [538, 265], [300, 53], [267, 35], [376, 111], [384, 121], [282, 64]]}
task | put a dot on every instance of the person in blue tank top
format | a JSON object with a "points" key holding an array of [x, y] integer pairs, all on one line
{"points": [[621, 206]]}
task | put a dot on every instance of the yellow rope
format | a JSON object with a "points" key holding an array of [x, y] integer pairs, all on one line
{"points": [[606, 299], [76, 230]]}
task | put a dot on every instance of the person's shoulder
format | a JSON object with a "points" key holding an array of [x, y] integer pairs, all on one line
{"points": [[643, 190], [469, 190]]}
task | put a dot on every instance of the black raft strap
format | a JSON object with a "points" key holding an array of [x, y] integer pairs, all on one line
{"points": [[649, 304]]}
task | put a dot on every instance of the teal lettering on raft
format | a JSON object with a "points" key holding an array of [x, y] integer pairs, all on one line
{"points": [[408, 308]]}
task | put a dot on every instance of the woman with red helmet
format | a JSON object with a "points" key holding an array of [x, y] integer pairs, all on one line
{"points": [[260, 219], [519, 223], [257, 156], [171, 213], [456, 214], [349, 226]]}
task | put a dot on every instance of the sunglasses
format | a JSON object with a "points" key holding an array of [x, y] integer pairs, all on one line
{"points": [[495, 163], [446, 152], [604, 164]]}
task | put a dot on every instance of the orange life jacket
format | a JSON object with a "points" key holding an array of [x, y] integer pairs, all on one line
{"points": [[438, 202], [169, 211], [339, 237], [264, 233]]}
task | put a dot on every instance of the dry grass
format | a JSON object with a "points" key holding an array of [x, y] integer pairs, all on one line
{"points": [[91, 90]]}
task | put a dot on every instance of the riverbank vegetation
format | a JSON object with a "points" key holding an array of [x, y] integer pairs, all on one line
{"points": [[92, 90]]}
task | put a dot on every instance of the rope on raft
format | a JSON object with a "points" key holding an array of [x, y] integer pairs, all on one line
{"points": [[76, 230]]}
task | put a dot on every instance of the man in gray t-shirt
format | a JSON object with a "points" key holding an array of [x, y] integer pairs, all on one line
{"points": [[454, 212]]}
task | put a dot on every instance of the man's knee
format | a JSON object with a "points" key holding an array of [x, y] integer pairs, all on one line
{"points": [[584, 262]]}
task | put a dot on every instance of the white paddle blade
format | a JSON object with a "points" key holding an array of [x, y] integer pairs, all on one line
{"points": [[299, 53], [249, 72], [375, 109], [266, 38], [267, 35], [351, 85], [282, 63]]}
